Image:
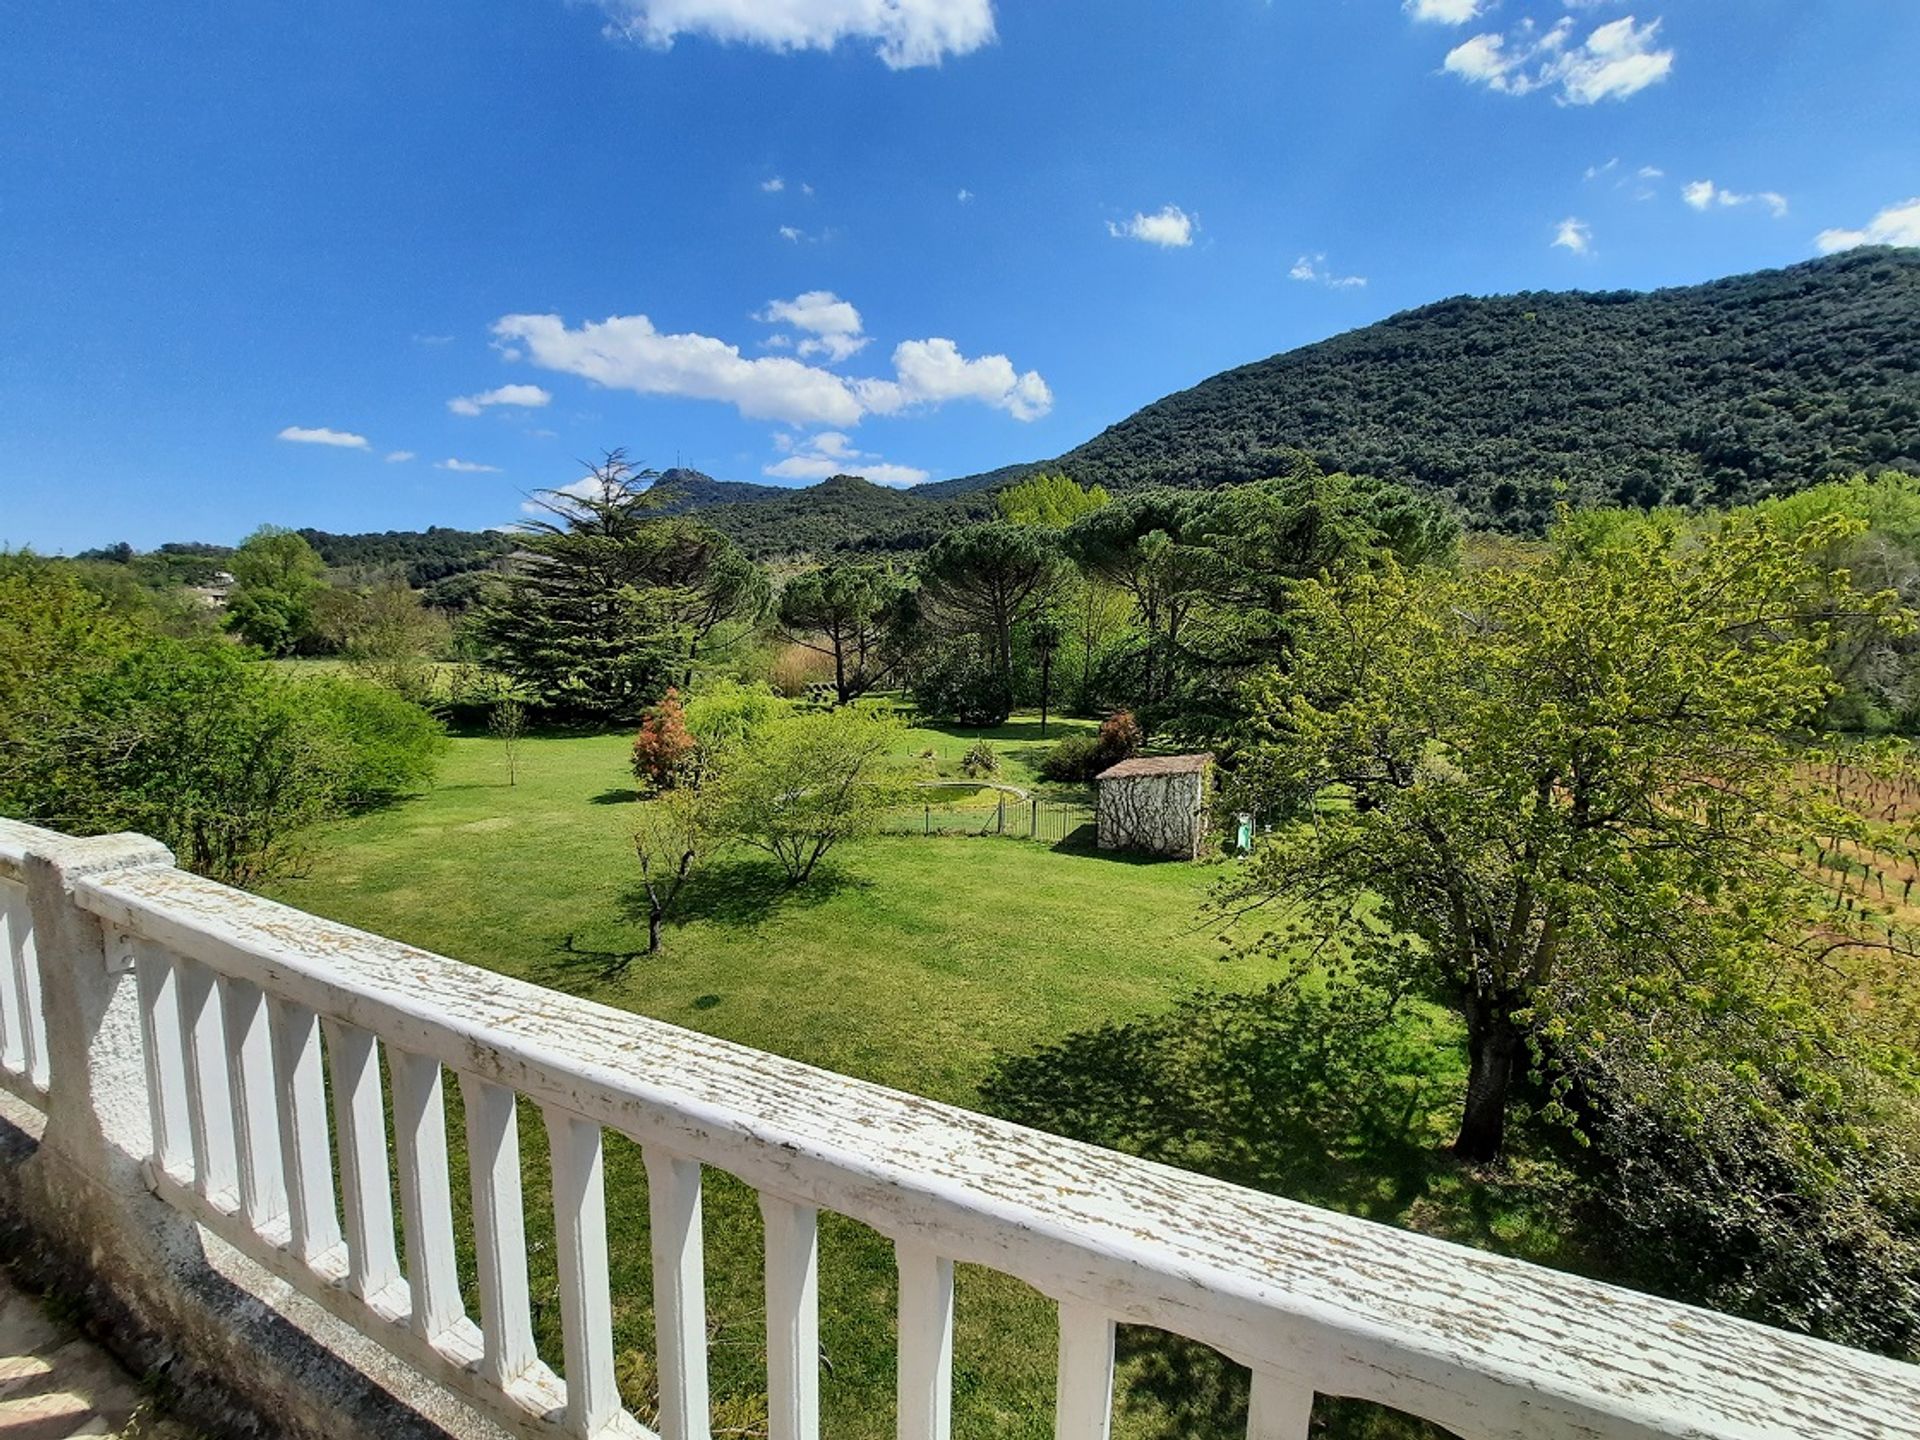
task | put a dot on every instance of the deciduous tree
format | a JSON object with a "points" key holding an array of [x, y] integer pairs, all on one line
{"points": [[1568, 800]]}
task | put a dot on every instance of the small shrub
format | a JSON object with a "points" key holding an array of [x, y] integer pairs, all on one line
{"points": [[1081, 757], [1075, 758], [1120, 737], [980, 762], [728, 711], [664, 749]]}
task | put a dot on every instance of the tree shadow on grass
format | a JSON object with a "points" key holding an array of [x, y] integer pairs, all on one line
{"points": [[580, 969], [1339, 1101], [747, 891], [619, 795]]}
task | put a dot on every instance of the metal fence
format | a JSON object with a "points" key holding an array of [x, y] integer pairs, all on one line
{"points": [[1052, 822]]}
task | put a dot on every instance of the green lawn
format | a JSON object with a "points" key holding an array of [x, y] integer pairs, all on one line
{"points": [[922, 963], [914, 962]]}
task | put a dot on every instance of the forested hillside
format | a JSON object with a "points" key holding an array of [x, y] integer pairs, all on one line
{"points": [[1706, 394], [1715, 393], [845, 513], [424, 555]]}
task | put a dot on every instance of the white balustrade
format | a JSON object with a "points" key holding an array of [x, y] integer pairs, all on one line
{"points": [[247, 1008], [23, 1023]]}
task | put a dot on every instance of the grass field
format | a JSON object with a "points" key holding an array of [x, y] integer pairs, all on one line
{"points": [[919, 963]]}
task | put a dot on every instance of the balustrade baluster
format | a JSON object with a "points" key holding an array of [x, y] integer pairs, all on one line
{"points": [[306, 1149], [1083, 1409], [793, 1319], [256, 1125], [926, 1343], [373, 1267], [426, 1206], [1278, 1408], [163, 1042], [23, 1047], [679, 1294], [580, 1234], [499, 1228], [209, 1098]]}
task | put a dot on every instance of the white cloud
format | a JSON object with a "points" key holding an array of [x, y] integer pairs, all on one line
{"points": [[1705, 195], [1313, 269], [467, 467], [400, 457], [1574, 235], [586, 487], [1617, 59], [930, 372], [626, 352], [1895, 225], [830, 453], [773, 186], [1594, 172], [1443, 12], [1169, 227], [904, 33], [965, 197], [320, 435], [833, 326], [1651, 172], [527, 397], [793, 234]]}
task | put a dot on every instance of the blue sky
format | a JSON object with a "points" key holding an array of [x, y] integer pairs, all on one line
{"points": [[376, 265]]}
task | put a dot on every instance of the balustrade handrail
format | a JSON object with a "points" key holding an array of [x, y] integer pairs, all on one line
{"points": [[236, 993], [1480, 1343]]}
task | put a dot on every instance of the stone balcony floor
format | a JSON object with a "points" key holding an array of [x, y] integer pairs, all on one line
{"points": [[54, 1382]]}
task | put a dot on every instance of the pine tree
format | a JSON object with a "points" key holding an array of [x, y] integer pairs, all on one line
{"points": [[608, 602]]}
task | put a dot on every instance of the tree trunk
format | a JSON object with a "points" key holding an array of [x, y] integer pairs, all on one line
{"points": [[1046, 674], [1493, 1045], [656, 912]]}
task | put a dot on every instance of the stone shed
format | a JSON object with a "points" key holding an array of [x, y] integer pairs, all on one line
{"points": [[1156, 804]]}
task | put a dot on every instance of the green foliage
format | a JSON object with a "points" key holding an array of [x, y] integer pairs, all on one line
{"points": [[106, 724], [385, 634], [1052, 501], [981, 762], [388, 744], [424, 557], [1753, 1191], [984, 581], [276, 578], [610, 603], [1080, 757], [1210, 575], [1707, 394], [854, 614], [1577, 790], [219, 757], [726, 712], [956, 679], [807, 783], [672, 835], [1880, 670], [841, 516]]}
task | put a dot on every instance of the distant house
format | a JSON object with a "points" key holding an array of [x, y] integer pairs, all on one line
{"points": [[216, 592], [1156, 804]]}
